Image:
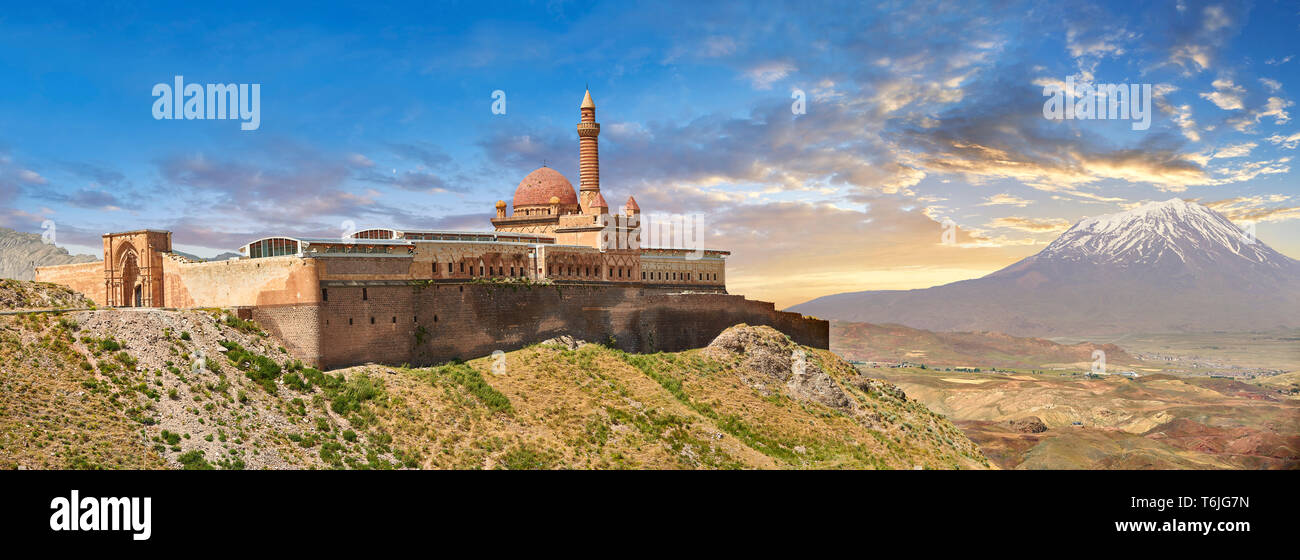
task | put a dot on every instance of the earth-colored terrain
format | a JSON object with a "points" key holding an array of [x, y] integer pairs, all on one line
{"points": [[149, 388], [1106, 422], [868, 342], [1218, 400]]}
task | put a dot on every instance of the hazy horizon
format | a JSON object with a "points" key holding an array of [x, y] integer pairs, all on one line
{"points": [[911, 116]]}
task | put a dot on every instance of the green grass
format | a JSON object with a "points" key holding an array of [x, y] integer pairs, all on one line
{"points": [[462, 375]]}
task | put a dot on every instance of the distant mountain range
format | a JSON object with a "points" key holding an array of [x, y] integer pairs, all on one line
{"points": [[21, 253], [1171, 266], [220, 257]]}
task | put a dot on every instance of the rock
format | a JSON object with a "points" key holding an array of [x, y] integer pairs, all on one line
{"points": [[565, 341], [775, 358], [1029, 425]]}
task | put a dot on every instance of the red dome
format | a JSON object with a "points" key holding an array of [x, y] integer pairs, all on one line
{"points": [[539, 186]]}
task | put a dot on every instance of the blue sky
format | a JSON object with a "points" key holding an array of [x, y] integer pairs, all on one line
{"points": [[381, 115]]}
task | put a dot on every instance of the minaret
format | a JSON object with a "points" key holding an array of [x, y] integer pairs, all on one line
{"points": [[588, 158]]}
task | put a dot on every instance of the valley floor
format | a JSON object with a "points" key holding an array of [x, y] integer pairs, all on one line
{"points": [[1157, 421]]}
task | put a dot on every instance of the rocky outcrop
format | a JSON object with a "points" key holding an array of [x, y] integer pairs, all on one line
{"points": [[21, 253]]}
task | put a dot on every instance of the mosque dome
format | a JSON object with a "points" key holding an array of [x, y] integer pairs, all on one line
{"points": [[543, 184]]}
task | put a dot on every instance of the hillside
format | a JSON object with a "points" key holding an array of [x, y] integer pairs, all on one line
{"points": [[18, 295], [896, 343], [21, 253], [1111, 422], [1165, 267], [172, 389]]}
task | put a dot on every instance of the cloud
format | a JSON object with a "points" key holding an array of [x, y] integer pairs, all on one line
{"points": [[359, 160], [1193, 44], [31, 177], [893, 247], [86, 198], [1032, 225], [1234, 150], [1005, 199], [1226, 95], [764, 75], [1288, 142], [1259, 208], [1181, 114]]}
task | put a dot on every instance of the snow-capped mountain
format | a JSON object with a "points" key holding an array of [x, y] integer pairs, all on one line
{"points": [[1173, 229], [1164, 266]]}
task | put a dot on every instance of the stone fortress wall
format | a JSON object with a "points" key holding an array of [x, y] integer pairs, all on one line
{"points": [[341, 311], [427, 324]]}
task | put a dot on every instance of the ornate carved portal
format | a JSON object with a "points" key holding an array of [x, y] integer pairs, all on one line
{"points": [[133, 275]]}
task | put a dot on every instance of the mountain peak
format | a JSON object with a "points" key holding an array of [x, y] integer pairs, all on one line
{"points": [[1171, 266], [1173, 230]]}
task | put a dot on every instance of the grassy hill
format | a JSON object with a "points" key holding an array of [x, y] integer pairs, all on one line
{"points": [[201, 389]]}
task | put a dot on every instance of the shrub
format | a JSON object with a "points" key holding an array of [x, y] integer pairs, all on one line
{"points": [[194, 461], [294, 381], [259, 368]]}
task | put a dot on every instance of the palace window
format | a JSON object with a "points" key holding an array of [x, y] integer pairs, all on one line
{"points": [[324, 294], [365, 294], [372, 320]]}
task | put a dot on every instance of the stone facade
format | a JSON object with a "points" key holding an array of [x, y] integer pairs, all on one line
{"points": [[560, 263]]}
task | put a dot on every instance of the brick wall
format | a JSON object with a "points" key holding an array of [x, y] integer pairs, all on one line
{"points": [[296, 326], [422, 325]]}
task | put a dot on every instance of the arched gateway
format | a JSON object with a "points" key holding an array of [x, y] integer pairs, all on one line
{"points": [[133, 276]]}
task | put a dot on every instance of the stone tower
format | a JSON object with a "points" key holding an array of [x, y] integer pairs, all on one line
{"points": [[588, 158]]}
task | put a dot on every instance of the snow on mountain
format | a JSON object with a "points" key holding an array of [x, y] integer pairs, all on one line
{"points": [[1171, 266], [1156, 231]]}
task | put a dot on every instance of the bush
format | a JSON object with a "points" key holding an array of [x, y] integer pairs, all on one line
{"points": [[294, 381], [194, 461], [259, 368]]}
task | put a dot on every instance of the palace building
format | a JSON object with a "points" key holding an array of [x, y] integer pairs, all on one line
{"points": [[559, 262]]}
